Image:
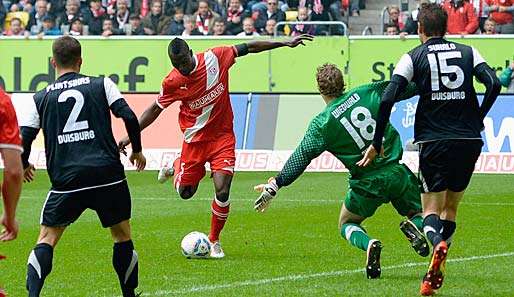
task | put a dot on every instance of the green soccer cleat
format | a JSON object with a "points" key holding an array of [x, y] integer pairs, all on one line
{"points": [[416, 238], [373, 269]]}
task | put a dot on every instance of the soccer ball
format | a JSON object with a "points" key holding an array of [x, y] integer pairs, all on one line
{"points": [[195, 245]]}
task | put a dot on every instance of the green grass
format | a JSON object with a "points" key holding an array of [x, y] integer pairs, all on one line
{"points": [[292, 250]]}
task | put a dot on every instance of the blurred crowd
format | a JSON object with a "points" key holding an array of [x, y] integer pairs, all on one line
{"points": [[168, 17], [464, 17]]}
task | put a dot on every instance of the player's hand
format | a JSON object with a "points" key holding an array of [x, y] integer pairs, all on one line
{"points": [[122, 145], [10, 231], [138, 160], [370, 155], [268, 192], [299, 40], [28, 173]]}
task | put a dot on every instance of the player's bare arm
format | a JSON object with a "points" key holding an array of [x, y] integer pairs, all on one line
{"points": [[11, 189]]}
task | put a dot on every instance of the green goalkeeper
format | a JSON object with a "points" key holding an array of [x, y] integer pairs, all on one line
{"points": [[345, 128]]}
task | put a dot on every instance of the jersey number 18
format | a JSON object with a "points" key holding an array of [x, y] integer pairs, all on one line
{"points": [[366, 125]]}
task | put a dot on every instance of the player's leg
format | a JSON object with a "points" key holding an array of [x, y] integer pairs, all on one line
{"points": [[356, 209], [40, 259], [449, 214], [189, 168], [59, 210], [113, 207], [222, 162], [166, 172]]}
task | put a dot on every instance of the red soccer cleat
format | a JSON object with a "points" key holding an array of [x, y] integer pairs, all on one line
{"points": [[433, 279]]}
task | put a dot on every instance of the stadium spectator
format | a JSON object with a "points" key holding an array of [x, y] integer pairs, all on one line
{"points": [[10, 150], [299, 29], [248, 28], [394, 16], [177, 23], [320, 11], [141, 8], [136, 27], [21, 5], [501, 12], [219, 28], [204, 17], [36, 17], [156, 23], [462, 18], [171, 6], [94, 17], [391, 29], [272, 12], [121, 17], [49, 28], [56, 7], [108, 28], [190, 27], [269, 30], [16, 28], [234, 15], [71, 13], [3, 14], [507, 78], [489, 27], [479, 6], [77, 27]]}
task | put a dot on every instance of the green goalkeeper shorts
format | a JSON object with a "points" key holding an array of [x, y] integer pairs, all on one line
{"points": [[394, 183]]}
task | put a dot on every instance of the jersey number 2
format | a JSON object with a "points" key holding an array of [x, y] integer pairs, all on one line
{"points": [[72, 124], [444, 69], [362, 124]]}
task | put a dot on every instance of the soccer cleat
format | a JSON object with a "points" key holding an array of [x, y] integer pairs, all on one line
{"points": [[216, 250], [416, 238], [433, 279], [373, 269], [165, 173]]}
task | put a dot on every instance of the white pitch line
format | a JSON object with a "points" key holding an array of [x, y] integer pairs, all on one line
{"points": [[299, 277]]}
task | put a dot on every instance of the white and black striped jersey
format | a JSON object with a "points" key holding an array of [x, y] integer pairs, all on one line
{"points": [[443, 71], [74, 114]]}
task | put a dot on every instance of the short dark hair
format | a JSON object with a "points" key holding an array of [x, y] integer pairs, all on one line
{"points": [[177, 47], [134, 16], [433, 19], [219, 20], [66, 51], [330, 80]]}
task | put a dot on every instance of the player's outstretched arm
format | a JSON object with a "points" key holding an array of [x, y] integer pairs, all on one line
{"points": [[266, 45], [11, 189]]}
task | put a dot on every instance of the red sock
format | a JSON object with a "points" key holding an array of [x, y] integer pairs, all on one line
{"points": [[220, 212]]}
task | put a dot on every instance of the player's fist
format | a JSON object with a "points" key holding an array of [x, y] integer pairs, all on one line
{"points": [[28, 173], [138, 160], [268, 192], [10, 231], [122, 145]]}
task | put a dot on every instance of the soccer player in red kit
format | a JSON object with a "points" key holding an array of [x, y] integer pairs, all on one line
{"points": [[200, 83], [10, 149]]}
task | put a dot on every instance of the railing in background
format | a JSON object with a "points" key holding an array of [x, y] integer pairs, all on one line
{"points": [[382, 19]]}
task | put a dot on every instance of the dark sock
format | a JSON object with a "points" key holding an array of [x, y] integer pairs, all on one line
{"points": [[432, 228], [125, 262], [38, 268], [448, 230]]}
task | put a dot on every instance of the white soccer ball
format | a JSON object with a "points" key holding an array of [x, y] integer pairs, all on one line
{"points": [[195, 245]]}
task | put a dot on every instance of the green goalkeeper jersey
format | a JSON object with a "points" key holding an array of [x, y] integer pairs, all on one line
{"points": [[345, 128]]}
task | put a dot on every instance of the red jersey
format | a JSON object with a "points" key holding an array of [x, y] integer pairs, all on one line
{"points": [[205, 110], [501, 18], [9, 130]]}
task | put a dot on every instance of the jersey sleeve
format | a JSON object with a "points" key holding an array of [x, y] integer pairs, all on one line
{"points": [[26, 111], [112, 93], [226, 55], [312, 146], [167, 95], [405, 67], [9, 130], [477, 58]]}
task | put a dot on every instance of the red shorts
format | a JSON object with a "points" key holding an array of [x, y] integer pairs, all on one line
{"points": [[219, 153]]}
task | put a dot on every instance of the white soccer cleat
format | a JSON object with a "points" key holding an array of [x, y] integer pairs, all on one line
{"points": [[165, 173], [216, 250]]}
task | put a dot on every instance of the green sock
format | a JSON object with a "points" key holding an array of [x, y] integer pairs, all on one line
{"points": [[418, 221], [356, 235]]}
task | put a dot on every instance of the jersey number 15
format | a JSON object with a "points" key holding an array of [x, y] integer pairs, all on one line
{"points": [[444, 70]]}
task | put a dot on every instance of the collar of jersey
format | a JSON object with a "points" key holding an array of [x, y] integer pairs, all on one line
{"points": [[66, 74], [432, 40]]}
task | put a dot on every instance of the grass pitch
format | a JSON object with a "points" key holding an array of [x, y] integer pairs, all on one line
{"points": [[294, 249]]}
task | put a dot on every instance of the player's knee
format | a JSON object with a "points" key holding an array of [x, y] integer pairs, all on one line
{"points": [[222, 195], [186, 193]]}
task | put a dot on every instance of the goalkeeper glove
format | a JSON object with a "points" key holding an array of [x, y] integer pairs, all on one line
{"points": [[268, 192]]}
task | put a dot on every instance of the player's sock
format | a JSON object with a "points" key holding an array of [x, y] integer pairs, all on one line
{"points": [[448, 230], [220, 212], [125, 262], [417, 220], [39, 267], [356, 235], [432, 228]]}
